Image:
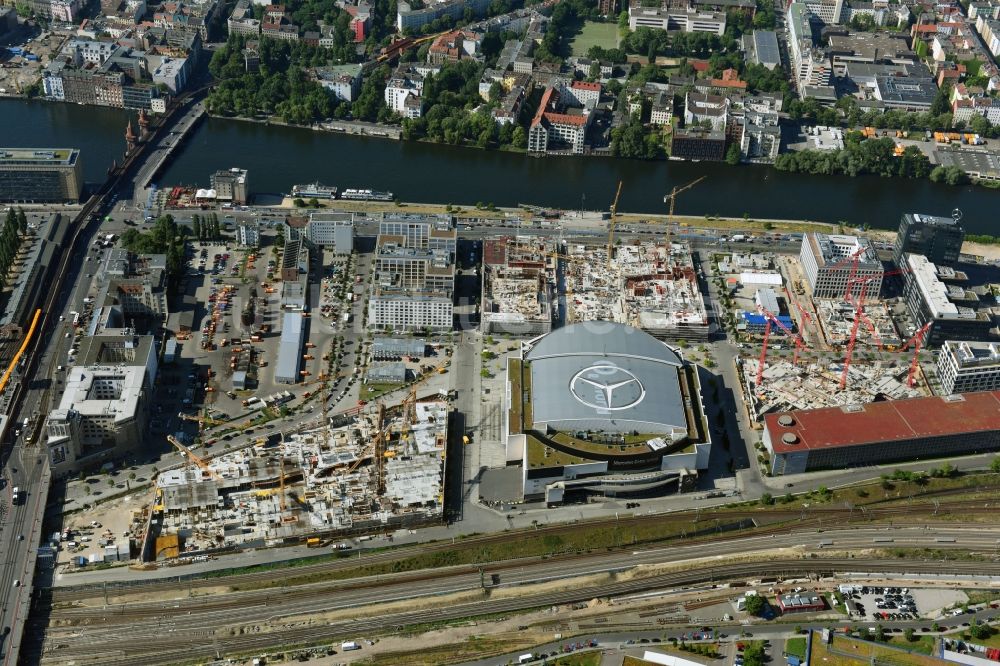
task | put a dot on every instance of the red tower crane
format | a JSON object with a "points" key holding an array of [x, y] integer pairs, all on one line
{"points": [[859, 316], [796, 338], [854, 259], [917, 341]]}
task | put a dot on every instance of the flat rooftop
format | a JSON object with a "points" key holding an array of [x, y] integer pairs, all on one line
{"points": [[978, 355], [889, 421], [38, 156]]}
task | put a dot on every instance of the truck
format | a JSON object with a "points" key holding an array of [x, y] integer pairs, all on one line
{"points": [[347, 316], [349, 646], [15, 495], [525, 658], [737, 238]]}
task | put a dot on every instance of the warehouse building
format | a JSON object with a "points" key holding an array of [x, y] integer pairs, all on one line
{"points": [[965, 367], [394, 349], [600, 408], [882, 432], [937, 238], [289, 365], [828, 265], [950, 309], [40, 175]]}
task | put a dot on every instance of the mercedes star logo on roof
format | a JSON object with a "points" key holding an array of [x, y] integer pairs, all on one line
{"points": [[607, 387]]}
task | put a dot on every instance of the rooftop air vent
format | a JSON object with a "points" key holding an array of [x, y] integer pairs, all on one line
{"points": [[786, 420], [790, 438], [853, 409]]}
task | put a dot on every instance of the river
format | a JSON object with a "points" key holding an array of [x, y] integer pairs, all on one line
{"points": [[278, 157]]}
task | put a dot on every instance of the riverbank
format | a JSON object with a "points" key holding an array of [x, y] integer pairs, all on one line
{"points": [[352, 127], [687, 223]]}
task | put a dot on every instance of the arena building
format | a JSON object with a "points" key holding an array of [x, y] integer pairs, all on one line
{"points": [[600, 408]]}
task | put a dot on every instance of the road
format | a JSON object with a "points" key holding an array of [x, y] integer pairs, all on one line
{"points": [[27, 466], [153, 631]]}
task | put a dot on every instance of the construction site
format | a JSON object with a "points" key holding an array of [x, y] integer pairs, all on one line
{"points": [[649, 284], [519, 284], [784, 386], [379, 469], [850, 333]]}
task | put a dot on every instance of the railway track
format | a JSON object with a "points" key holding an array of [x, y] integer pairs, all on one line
{"points": [[819, 517], [183, 647]]}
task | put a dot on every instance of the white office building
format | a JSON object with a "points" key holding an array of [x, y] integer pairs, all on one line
{"points": [[410, 311], [414, 274], [333, 230], [679, 19], [830, 261], [966, 367]]}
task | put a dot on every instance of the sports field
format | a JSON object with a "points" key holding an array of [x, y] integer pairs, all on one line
{"points": [[604, 35]]}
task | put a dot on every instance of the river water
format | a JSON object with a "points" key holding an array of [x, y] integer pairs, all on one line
{"points": [[278, 157]]}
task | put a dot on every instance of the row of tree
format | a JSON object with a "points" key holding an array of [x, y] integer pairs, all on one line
{"points": [[858, 157], [206, 228], [14, 227], [165, 237]]}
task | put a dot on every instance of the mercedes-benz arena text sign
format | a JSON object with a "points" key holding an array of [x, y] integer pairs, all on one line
{"points": [[607, 387]]}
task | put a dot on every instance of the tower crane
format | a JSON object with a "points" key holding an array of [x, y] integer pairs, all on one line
{"points": [[200, 462], [378, 442], [796, 338], [672, 197], [859, 315], [612, 221], [854, 259], [917, 341]]}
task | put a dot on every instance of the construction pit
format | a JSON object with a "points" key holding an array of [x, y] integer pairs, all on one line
{"points": [[649, 285], [812, 385], [378, 469]]}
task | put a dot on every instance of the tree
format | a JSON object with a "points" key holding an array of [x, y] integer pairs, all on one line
{"points": [[196, 227], [995, 464], [755, 605], [733, 154], [766, 499], [909, 634]]}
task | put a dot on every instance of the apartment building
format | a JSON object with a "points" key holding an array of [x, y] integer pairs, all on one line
{"points": [[556, 126], [344, 81], [403, 91], [810, 65], [242, 21]]}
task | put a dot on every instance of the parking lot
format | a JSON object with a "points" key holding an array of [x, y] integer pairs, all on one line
{"points": [[900, 603]]}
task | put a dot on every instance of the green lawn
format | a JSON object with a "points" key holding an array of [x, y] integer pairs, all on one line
{"points": [[581, 659], [594, 34], [922, 644], [796, 646]]}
